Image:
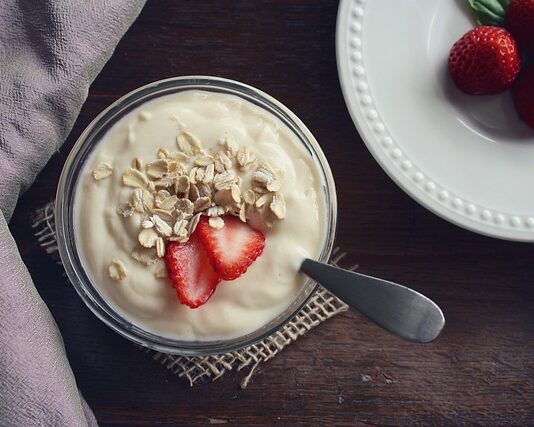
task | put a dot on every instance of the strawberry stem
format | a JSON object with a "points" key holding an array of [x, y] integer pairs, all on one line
{"points": [[489, 12]]}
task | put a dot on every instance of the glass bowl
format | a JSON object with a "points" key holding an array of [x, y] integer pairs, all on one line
{"points": [[65, 212]]}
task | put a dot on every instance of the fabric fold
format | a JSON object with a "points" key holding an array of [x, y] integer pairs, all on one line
{"points": [[51, 52]]}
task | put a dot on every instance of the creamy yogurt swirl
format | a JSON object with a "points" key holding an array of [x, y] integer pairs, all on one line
{"points": [[271, 282]]}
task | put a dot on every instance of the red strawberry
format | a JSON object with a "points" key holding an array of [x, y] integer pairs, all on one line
{"points": [[191, 272], [232, 248], [484, 61], [523, 95], [520, 22]]}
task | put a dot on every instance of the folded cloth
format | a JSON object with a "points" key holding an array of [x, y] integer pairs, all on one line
{"points": [[51, 51]]}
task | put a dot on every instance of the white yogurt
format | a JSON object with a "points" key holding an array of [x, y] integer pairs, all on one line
{"points": [[237, 307]]}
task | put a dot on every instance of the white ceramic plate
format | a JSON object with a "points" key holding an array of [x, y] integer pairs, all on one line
{"points": [[468, 159]]}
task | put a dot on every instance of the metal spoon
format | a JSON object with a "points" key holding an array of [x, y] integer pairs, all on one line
{"points": [[394, 307]]}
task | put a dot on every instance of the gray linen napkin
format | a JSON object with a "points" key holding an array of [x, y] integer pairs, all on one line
{"points": [[50, 52]]}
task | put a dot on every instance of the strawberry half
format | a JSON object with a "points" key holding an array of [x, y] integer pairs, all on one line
{"points": [[233, 248], [191, 272], [484, 61], [523, 96]]}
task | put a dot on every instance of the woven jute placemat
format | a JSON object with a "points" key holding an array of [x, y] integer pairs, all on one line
{"points": [[321, 306]]}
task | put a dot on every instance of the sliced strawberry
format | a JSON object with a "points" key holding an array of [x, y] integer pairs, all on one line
{"points": [[191, 272], [232, 248]]}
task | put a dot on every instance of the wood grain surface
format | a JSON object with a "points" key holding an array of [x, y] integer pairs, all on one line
{"points": [[347, 371]]}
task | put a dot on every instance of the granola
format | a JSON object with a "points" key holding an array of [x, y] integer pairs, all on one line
{"points": [[175, 189], [102, 171], [117, 270]]}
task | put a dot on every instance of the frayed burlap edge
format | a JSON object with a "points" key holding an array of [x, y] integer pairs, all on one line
{"points": [[321, 306]]}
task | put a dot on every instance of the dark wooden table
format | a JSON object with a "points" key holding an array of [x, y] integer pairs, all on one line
{"points": [[347, 371]]}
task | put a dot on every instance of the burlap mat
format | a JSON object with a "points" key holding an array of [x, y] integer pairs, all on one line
{"points": [[319, 308]]}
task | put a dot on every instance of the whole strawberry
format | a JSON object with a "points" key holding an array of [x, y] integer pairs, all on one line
{"points": [[520, 22], [485, 61], [523, 95]]}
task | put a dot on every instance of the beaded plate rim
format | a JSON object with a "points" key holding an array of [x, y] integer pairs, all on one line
{"points": [[388, 152]]}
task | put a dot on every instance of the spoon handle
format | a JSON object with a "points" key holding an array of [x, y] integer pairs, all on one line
{"points": [[394, 307]]}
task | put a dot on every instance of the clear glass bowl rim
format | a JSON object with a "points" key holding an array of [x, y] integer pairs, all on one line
{"points": [[64, 212]]}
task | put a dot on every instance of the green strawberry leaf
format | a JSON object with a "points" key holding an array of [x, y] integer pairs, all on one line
{"points": [[489, 12]]}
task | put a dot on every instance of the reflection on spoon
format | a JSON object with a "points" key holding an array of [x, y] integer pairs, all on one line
{"points": [[394, 307]]}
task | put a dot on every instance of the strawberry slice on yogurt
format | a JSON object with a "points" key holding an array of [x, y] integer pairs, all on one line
{"points": [[191, 272], [231, 248]]}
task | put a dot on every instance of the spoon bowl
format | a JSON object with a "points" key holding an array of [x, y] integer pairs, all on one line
{"points": [[396, 308]]}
